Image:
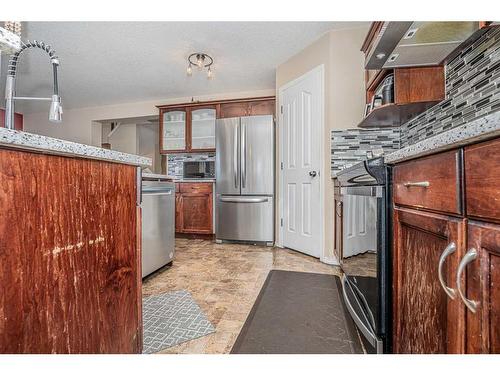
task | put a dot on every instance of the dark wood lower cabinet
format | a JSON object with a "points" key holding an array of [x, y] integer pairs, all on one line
{"points": [[483, 287], [197, 213], [194, 208], [426, 320]]}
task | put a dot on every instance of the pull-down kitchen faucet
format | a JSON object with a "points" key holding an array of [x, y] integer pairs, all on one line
{"points": [[55, 112]]}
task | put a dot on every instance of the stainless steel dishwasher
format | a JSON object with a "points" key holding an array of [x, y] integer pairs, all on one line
{"points": [[158, 224]]}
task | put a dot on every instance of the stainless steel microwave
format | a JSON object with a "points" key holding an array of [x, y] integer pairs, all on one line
{"points": [[199, 169]]}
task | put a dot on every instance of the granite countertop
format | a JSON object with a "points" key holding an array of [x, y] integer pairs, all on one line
{"points": [[211, 180], [157, 176], [47, 145], [477, 130]]}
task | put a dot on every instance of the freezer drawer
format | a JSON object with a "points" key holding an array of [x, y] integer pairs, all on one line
{"points": [[244, 218]]}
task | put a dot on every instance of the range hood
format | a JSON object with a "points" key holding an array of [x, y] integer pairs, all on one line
{"points": [[405, 44]]}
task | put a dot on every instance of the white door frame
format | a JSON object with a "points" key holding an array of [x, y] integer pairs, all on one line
{"points": [[320, 69]]}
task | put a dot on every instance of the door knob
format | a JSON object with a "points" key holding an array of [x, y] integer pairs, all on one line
{"points": [[312, 173]]}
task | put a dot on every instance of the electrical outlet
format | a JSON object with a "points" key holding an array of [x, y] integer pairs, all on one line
{"points": [[9, 42]]}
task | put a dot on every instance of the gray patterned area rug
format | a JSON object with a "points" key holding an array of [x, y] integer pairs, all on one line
{"points": [[170, 319]]}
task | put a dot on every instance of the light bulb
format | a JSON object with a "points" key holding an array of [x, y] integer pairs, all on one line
{"points": [[210, 74], [189, 70], [199, 61]]}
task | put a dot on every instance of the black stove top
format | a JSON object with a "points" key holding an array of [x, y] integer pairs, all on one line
{"points": [[365, 173]]}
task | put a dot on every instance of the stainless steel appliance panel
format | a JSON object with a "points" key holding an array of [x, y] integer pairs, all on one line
{"points": [[227, 158], [257, 155], [158, 226], [245, 218]]}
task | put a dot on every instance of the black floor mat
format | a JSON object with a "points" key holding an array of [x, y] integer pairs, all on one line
{"points": [[298, 312]]}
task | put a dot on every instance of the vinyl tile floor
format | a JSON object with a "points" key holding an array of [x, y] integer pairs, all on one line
{"points": [[225, 280]]}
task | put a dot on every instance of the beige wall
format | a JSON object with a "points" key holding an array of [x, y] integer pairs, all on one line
{"points": [[339, 52], [77, 123]]}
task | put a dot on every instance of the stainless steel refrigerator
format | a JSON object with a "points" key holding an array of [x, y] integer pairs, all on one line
{"points": [[244, 169]]}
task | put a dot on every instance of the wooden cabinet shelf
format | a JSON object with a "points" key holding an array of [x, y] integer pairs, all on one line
{"points": [[391, 115]]}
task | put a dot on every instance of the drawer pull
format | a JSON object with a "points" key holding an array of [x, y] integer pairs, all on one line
{"points": [[469, 257], [450, 249], [417, 184]]}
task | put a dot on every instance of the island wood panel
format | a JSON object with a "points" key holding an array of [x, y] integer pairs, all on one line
{"points": [[482, 179], [69, 256], [425, 320], [483, 286]]}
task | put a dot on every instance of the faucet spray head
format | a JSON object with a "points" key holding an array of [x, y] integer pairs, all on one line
{"points": [[55, 112]]}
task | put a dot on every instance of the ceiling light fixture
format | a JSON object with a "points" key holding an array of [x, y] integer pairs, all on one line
{"points": [[200, 60]]}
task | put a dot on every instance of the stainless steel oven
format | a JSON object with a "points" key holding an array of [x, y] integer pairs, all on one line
{"points": [[364, 190]]}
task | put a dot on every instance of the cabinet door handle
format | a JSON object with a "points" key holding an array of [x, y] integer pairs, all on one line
{"points": [[424, 184], [450, 249], [470, 256]]}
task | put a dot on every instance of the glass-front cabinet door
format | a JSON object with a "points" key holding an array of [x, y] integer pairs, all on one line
{"points": [[174, 130], [203, 128]]}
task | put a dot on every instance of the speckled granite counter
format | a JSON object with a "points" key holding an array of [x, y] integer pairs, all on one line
{"points": [[481, 129], [47, 145], [157, 176], [210, 180]]}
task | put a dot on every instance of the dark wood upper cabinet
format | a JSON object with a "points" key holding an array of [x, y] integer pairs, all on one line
{"points": [[190, 127], [426, 320], [261, 107], [483, 281], [238, 109], [248, 108], [416, 89], [187, 129]]}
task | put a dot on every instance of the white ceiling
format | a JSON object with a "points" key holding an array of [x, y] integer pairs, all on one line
{"points": [[119, 62]]}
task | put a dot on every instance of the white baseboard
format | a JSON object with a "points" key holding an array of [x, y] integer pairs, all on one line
{"points": [[333, 261]]}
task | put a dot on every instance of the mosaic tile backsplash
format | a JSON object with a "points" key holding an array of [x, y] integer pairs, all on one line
{"points": [[175, 166], [350, 146], [472, 91]]}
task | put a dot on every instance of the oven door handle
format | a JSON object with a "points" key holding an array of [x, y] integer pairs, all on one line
{"points": [[366, 331]]}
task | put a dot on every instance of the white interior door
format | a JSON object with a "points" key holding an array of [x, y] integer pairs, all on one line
{"points": [[360, 231], [301, 126]]}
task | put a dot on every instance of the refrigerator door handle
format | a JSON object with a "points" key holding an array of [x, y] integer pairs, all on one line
{"points": [[235, 157], [243, 154], [244, 200]]}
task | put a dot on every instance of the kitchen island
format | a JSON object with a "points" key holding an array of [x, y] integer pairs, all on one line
{"points": [[70, 249]]}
